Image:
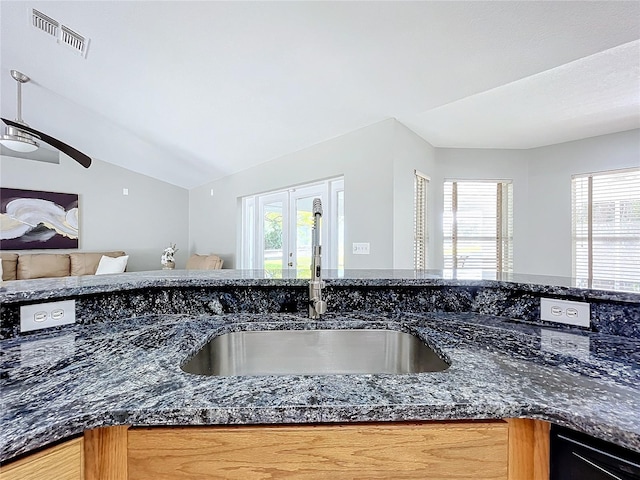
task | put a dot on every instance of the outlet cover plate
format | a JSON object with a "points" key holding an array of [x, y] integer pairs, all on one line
{"points": [[565, 311], [562, 343], [46, 315]]}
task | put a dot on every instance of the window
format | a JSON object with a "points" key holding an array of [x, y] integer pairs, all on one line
{"points": [[277, 226], [420, 231], [478, 226], [605, 213]]}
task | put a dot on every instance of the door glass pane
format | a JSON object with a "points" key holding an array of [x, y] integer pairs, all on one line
{"points": [[280, 239], [304, 234], [340, 226], [273, 234]]}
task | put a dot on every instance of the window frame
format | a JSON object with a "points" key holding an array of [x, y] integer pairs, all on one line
{"points": [[590, 202], [420, 220], [251, 231], [503, 230]]}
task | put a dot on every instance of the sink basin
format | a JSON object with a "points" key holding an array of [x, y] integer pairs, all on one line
{"points": [[314, 352]]}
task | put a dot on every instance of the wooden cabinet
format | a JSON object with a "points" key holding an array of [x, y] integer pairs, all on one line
{"points": [[105, 451], [516, 449], [436, 451], [62, 462]]}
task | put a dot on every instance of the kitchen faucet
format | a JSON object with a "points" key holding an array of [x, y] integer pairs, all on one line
{"points": [[317, 306]]}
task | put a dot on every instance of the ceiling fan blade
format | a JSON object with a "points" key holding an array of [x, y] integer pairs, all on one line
{"points": [[77, 155]]}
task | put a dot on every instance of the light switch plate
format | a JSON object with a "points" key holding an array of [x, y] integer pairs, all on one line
{"points": [[361, 248], [565, 311], [46, 315]]}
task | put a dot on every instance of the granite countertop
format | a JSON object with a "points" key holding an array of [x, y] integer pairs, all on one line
{"points": [[49, 288], [60, 383]]}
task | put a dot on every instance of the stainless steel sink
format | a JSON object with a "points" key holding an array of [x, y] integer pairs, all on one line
{"points": [[314, 352]]}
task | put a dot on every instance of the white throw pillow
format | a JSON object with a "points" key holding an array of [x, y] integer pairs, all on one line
{"points": [[109, 265]]}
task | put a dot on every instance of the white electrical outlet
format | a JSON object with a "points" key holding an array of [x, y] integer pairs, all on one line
{"points": [[361, 248], [565, 311], [45, 315], [568, 344]]}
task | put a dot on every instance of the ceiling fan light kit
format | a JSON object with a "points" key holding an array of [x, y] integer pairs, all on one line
{"points": [[20, 137], [18, 141]]}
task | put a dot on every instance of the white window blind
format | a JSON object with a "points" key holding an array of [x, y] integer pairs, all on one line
{"points": [[605, 212], [420, 231], [478, 225]]}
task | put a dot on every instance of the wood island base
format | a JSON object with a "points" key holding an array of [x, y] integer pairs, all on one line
{"points": [[514, 449]]}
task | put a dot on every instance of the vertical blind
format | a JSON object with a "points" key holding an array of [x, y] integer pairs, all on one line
{"points": [[605, 212], [420, 239], [478, 225]]}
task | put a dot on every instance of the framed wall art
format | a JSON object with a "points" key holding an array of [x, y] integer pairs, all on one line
{"points": [[32, 219]]}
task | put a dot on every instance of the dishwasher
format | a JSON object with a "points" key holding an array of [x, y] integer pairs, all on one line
{"points": [[577, 456]]}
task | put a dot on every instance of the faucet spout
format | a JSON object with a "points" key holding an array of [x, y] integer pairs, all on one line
{"points": [[317, 306]]}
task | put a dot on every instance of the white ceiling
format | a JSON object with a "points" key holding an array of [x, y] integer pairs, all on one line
{"points": [[189, 92]]}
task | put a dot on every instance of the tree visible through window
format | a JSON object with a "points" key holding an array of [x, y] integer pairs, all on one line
{"points": [[478, 226], [605, 211]]}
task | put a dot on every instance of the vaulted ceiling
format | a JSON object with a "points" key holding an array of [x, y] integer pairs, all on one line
{"points": [[189, 92]]}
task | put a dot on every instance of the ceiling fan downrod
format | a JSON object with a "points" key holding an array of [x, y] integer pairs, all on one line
{"points": [[20, 78], [14, 138]]}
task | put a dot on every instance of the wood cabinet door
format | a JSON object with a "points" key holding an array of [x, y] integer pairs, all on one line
{"points": [[438, 451], [62, 462]]}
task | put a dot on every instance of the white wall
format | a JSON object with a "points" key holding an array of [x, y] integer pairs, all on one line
{"points": [[541, 192], [378, 163], [142, 223], [548, 243], [410, 153], [377, 208]]}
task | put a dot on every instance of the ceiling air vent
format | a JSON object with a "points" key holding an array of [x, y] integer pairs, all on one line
{"points": [[73, 40], [44, 23], [63, 34]]}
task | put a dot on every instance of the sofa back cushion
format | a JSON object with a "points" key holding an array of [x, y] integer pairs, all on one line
{"points": [[41, 265], [87, 263], [204, 262], [9, 266]]}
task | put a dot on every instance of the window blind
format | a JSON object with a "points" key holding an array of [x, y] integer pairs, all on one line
{"points": [[420, 239], [605, 212], [478, 225]]}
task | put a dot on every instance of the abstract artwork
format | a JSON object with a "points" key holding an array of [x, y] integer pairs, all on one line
{"points": [[30, 219]]}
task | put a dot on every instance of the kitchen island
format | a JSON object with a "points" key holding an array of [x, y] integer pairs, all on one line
{"points": [[120, 364]]}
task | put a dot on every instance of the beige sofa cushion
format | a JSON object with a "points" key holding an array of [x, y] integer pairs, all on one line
{"points": [[87, 263], [40, 265], [9, 265], [204, 262]]}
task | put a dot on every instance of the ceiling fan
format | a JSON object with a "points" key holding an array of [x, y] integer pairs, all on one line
{"points": [[21, 137]]}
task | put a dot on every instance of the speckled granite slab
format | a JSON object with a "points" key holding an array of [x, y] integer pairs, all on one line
{"points": [[44, 289], [103, 298], [57, 384]]}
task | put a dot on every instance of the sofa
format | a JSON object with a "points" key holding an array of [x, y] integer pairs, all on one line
{"points": [[46, 265], [204, 262]]}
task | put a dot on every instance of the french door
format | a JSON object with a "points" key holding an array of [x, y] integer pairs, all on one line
{"points": [[278, 227]]}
